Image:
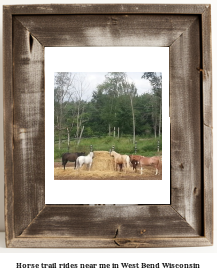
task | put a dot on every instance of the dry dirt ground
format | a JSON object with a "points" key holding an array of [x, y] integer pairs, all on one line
{"points": [[102, 169]]}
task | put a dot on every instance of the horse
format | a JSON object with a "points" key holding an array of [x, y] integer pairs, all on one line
{"points": [[134, 159], [150, 161], [85, 160], [121, 160], [70, 157]]}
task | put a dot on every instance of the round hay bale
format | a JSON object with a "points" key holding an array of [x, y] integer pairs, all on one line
{"points": [[102, 161]]}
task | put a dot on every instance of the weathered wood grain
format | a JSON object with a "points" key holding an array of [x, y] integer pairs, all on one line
{"points": [[8, 125], [107, 30], [208, 182], [69, 242], [186, 30], [185, 113], [106, 9], [206, 67], [29, 136], [109, 222], [207, 119]]}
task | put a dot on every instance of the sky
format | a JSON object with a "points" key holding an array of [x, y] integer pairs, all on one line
{"points": [[95, 78]]}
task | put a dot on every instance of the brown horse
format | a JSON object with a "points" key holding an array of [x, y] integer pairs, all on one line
{"points": [[121, 160], [70, 157], [134, 159], [151, 161]]}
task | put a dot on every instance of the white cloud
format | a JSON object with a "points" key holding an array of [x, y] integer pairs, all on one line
{"points": [[96, 78]]}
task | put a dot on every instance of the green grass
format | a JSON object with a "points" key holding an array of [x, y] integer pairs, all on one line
{"points": [[123, 145]]}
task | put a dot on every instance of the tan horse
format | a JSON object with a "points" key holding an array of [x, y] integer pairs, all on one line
{"points": [[151, 161], [121, 160]]}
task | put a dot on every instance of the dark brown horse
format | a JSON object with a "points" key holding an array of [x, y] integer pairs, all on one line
{"points": [[134, 159], [70, 157]]}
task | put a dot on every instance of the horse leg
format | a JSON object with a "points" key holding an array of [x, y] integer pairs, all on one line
{"points": [[79, 165], [64, 163], [157, 168], [156, 172], [136, 164], [121, 167], [125, 165]]}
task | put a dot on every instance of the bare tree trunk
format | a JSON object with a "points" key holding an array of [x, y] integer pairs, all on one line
{"points": [[160, 120], [78, 127], [155, 129], [68, 138], [114, 132], [59, 139], [60, 135], [62, 93], [80, 135], [134, 126]]}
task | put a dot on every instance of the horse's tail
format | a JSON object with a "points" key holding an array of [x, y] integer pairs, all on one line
{"points": [[77, 163], [160, 163], [128, 161], [64, 160]]}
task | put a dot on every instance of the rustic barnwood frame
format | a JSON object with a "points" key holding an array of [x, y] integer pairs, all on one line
{"points": [[186, 30]]}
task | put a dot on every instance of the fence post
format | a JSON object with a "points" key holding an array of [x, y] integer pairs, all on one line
{"points": [[135, 147], [91, 148], [68, 139], [113, 147], [158, 146]]}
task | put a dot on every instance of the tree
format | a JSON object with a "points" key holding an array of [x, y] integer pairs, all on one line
{"points": [[156, 82], [131, 92], [109, 97], [80, 87], [63, 91]]}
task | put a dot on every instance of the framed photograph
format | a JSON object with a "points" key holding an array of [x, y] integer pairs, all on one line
{"points": [[85, 108], [76, 81]]}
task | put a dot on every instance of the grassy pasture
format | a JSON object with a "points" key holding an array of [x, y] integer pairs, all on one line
{"points": [[123, 145]]}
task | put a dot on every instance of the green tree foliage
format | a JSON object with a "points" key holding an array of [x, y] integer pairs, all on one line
{"points": [[114, 103], [156, 100], [63, 91]]}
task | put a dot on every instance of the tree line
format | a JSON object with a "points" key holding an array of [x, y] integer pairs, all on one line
{"points": [[115, 108]]}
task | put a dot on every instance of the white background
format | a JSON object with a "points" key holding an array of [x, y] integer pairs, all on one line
{"points": [[102, 59], [204, 255]]}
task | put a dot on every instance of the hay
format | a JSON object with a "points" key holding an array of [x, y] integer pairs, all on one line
{"points": [[102, 161], [103, 168]]}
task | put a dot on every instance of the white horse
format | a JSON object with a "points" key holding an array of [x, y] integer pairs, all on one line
{"points": [[85, 160], [121, 160]]}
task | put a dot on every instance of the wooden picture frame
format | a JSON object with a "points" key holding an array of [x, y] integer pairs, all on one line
{"points": [[186, 30]]}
